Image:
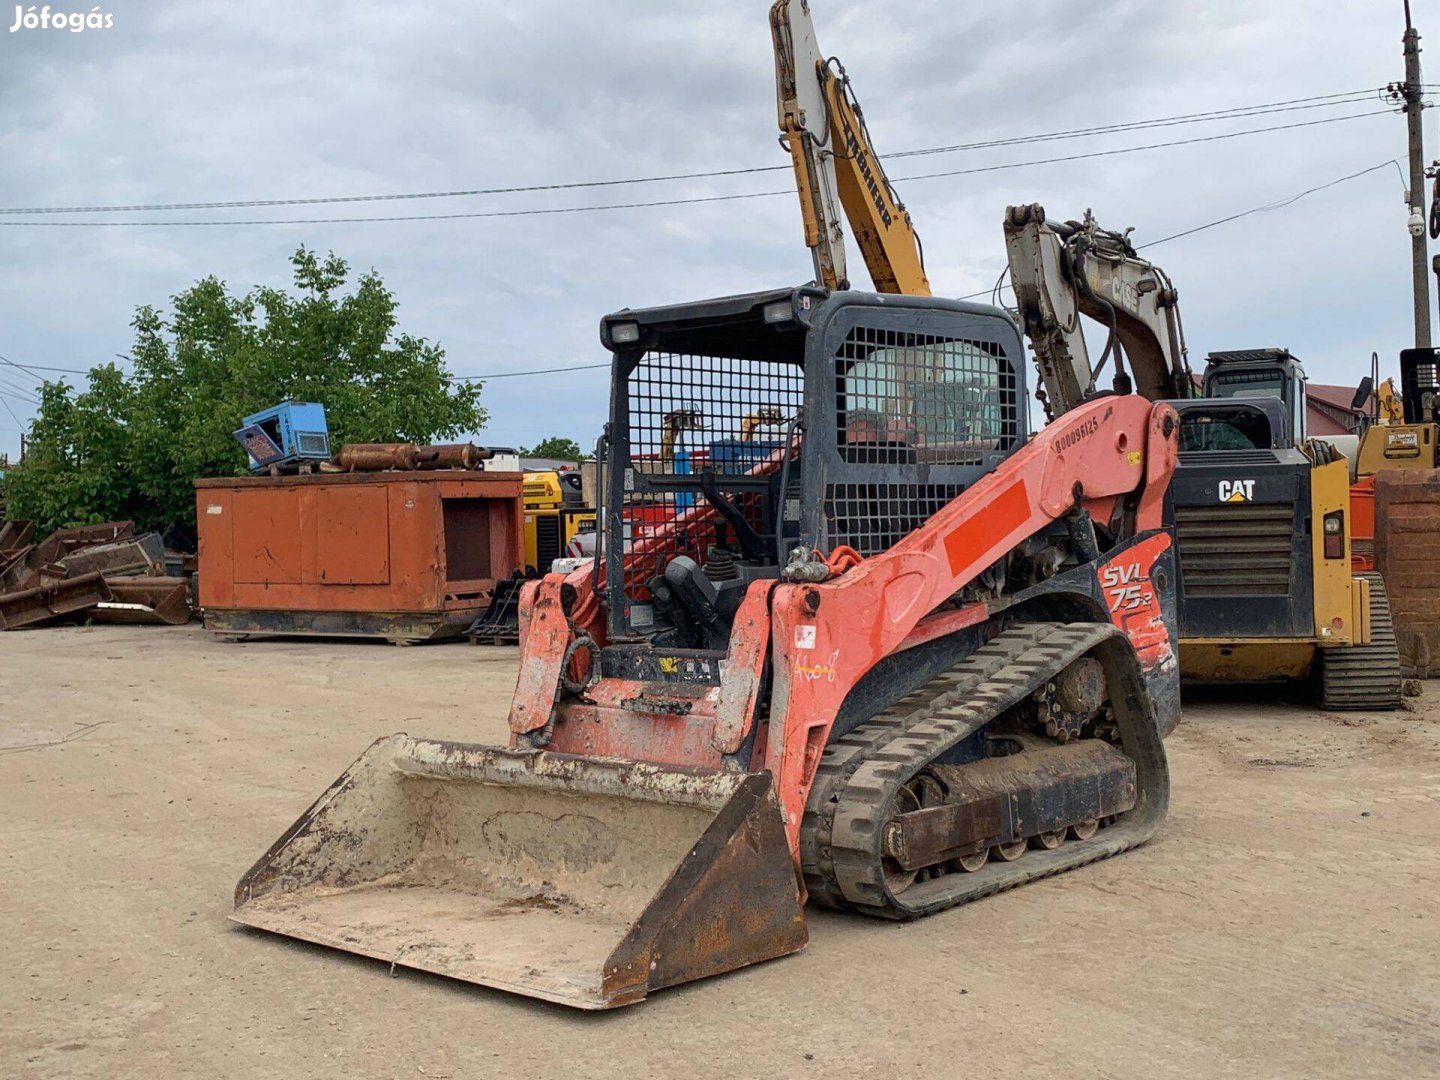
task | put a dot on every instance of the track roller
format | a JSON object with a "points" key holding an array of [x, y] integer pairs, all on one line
{"points": [[890, 822]]}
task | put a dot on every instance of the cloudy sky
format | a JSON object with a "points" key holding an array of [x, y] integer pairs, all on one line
{"points": [[209, 101]]}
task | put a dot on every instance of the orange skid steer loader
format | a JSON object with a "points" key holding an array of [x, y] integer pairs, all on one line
{"points": [[894, 655]]}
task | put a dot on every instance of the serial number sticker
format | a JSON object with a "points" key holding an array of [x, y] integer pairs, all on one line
{"points": [[804, 637], [214, 508], [1077, 435]]}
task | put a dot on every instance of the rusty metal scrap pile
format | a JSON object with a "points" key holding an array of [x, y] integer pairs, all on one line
{"points": [[101, 572]]}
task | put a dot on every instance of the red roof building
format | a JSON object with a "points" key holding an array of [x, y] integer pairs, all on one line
{"points": [[1330, 410]]}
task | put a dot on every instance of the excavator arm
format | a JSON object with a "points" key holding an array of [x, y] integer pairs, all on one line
{"points": [[1392, 408], [837, 171], [1063, 271]]}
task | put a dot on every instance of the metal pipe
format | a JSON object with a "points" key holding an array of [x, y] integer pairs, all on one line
{"points": [[454, 456], [376, 457]]}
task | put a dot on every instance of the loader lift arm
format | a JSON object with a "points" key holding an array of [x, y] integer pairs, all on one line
{"points": [[837, 172], [1063, 271]]}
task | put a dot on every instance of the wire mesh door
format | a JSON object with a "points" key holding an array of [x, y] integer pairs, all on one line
{"points": [[695, 422]]}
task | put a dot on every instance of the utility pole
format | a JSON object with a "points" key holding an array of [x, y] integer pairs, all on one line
{"points": [[1412, 92]]}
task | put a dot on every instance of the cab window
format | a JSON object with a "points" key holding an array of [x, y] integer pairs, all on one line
{"points": [[942, 398], [1225, 428]]}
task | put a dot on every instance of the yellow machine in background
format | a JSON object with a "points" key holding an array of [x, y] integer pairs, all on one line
{"points": [[1250, 567], [1395, 499], [555, 512], [1394, 441]]}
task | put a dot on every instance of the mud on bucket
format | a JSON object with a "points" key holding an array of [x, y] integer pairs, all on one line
{"points": [[584, 881]]}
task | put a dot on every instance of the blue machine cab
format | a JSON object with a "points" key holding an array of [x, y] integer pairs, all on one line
{"points": [[288, 434]]}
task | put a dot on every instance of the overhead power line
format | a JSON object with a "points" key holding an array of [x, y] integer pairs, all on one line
{"points": [[1353, 98], [18, 367], [11, 411], [1239, 112], [35, 369], [1276, 205], [1262, 208], [535, 371], [26, 394], [457, 378], [1136, 149], [544, 211], [26, 367], [18, 392], [398, 217]]}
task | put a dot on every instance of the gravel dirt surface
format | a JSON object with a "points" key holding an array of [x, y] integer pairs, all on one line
{"points": [[1283, 923]]}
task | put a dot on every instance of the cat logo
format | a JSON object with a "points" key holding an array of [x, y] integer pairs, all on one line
{"points": [[1237, 491]]}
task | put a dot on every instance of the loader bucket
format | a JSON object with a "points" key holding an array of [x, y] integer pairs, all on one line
{"points": [[583, 881]]}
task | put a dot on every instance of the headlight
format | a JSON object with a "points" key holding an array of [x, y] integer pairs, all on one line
{"points": [[624, 333], [779, 312]]}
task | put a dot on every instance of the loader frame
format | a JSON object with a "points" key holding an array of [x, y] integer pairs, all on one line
{"points": [[664, 810]]}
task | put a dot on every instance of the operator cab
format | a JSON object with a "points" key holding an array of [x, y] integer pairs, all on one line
{"points": [[1212, 424], [1261, 373], [746, 426]]}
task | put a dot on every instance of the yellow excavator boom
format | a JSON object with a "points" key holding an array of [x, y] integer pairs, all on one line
{"points": [[837, 173]]}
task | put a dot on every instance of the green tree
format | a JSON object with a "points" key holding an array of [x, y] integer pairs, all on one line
{"points": [[558, 448], [76, 470], [131, 446]]}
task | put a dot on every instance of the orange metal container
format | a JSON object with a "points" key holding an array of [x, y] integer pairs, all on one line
{"points": [[1362, 525], [407, 556]]}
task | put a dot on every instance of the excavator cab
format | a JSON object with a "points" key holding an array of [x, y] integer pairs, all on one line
{"points": [[1411, 439], [1261, 373]]}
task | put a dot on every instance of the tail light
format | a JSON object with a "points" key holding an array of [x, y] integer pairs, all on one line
{"points": [[1335, 534]]}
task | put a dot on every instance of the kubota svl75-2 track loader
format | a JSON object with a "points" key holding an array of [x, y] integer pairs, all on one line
{"points": [[893, 656]]}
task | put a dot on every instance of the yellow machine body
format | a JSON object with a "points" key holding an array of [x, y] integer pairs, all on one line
{"points": [[1397, 446], [550, 524]]}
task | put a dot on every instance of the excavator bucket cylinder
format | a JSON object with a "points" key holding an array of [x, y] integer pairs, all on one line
{"points": [[583, 881]]}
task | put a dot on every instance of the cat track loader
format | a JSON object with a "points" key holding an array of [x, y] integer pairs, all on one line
{"points": [[1262, 513]]}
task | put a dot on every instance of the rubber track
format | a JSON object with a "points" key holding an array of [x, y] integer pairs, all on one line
{"points": [[1364, 676], [843, 756], [861, 773]]}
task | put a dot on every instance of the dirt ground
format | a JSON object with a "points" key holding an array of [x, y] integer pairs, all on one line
{"points": [[1283, 924]]}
